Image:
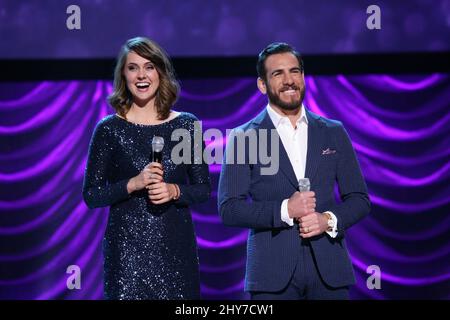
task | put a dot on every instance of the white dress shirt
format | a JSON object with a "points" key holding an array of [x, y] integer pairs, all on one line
{"points": [[295, 142]]}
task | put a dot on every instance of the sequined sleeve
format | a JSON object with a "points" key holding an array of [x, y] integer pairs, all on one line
{"points": [[98, 191], [199, 188]]}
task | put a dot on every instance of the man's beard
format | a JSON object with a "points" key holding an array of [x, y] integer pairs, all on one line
{"points": [[275, 99]]}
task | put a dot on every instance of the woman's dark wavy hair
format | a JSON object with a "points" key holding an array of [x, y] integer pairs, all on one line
{"points": [[168, 90]]}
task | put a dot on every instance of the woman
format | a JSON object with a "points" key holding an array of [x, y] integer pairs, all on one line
{"points": [[150, 247]]}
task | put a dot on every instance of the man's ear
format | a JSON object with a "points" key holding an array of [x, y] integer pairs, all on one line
{"points": [[261, 86]]}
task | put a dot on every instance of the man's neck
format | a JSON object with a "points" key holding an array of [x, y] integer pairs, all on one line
{"points": [[292, 115]]}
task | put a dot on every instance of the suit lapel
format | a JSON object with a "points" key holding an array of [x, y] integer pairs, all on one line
{"points": [[316, 140], [263, 121]]}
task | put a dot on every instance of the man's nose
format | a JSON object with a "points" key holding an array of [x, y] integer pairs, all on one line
{"points": [[288, 79]]}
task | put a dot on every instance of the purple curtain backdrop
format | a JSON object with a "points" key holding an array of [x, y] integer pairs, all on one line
{"points": [[399, 126]]}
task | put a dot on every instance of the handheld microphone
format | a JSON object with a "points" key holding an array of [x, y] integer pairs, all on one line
{"points": [[157, 146], [304, 185]]}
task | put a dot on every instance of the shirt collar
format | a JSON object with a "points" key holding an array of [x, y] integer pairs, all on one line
{"points": [[277, 118]]}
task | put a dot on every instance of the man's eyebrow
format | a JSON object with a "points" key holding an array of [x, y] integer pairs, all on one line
{"points": [[275, 71], [281, 70]]}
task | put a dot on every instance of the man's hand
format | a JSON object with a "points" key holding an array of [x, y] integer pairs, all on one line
{"points": [[313, 224], [301, 204]]}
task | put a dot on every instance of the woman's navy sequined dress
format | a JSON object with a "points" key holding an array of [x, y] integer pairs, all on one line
{"points": [[150, 251]]}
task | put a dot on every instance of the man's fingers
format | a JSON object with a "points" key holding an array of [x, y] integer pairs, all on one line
{"points": [[308, 227], [305, 219], [307, 194], [309, 235], [308, 218], [309, 231]]}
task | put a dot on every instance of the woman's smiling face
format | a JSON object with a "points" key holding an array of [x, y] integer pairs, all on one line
{"points": [[141, 77]]}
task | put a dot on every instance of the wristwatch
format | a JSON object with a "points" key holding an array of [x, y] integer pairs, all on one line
{"points": [[330, 221]]}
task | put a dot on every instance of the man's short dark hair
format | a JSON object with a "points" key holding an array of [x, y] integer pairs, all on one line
{"points": [[275, 48]]}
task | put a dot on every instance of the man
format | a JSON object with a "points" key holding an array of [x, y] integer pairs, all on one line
{"points": [[296, 247]]}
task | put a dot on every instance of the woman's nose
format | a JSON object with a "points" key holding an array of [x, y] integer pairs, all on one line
{"points": [[141, 73]]}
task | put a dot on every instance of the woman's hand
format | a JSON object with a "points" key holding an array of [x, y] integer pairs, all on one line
{"points": [[152, 173], [162, 192]]}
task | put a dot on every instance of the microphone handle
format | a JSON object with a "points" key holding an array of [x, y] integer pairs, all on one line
{"points": [[157, 156], [302, 187]]}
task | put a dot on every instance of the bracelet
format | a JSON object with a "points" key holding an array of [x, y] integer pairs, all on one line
{"points": [[177, 192]]}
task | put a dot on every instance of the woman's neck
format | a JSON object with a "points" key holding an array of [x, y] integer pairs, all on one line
{"points": [[143, 114]]}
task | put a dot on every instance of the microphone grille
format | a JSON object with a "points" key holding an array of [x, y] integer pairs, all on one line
{"points": [[304, 184], [157, 143]]}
